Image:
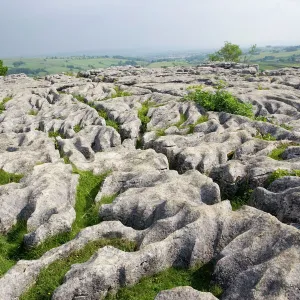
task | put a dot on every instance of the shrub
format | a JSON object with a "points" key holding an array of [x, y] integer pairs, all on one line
{"points": [[221, 100], [3, 69]]}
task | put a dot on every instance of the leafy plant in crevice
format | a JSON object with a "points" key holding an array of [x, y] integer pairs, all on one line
{"points": [[220, 101], [120, 93], [52, 276], [279, 173], [33, 112], [182, 119], [79, 98], [265, 137], [143, 114], [287, 127], [160, 132], [201, 120], [77, 128], [277, 153], [6, 177], [241, 198], [200, 278], [2, 104], [109, 122]]}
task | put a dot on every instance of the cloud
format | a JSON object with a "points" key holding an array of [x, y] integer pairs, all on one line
{"points": [[43, 27]]}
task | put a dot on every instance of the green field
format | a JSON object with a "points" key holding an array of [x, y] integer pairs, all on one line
{"points": [[43, 66], [268, 58]]}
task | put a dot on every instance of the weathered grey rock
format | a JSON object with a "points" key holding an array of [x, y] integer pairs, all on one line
{"points": [[45, 199], [281, 199], [186, 292], [257, 255]]}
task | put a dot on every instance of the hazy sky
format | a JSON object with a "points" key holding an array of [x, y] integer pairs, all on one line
{"points": [[33, 27]]}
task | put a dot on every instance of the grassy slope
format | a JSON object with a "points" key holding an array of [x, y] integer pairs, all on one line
{"points": [[86, 215]]}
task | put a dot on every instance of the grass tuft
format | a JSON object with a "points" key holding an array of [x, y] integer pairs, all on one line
{"points": [[143, 114], [77, 128], [52, 276], [182, 119], [149, 287], [2, 104], [6, 177], [202, 119], [287, 127], [279, 173], [277, 153], [109, 122], [33, 112], [79, 98], [120, 93], [160, 132], [265, 137]]}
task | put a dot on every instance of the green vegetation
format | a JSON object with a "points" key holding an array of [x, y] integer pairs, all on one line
{"points": [[285, 126], [109, 122], [279, 173], [2, 106], [183, 119], [242, 198], [277, 153], [33, 112], [202, 119], [52, 276], [261, 88], [119, 93], [261, 119], [220, 100], [149, 287], [86, 215], [53, 134], [266, 137], [79, 98], [142, 114], [160, 132], [77, 128], [6, 177], [10, 246], [230, 52], [3, 69]]}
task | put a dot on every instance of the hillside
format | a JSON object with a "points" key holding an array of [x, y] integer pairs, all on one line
{"points": [[139, 183]]}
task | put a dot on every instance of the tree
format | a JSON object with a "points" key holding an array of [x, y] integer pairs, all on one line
{"points": [[230, 52], [3, 69], [18, 63], [252, 51]]}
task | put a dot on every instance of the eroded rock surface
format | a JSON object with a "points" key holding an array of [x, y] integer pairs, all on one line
{"points": [[168, 165]]}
